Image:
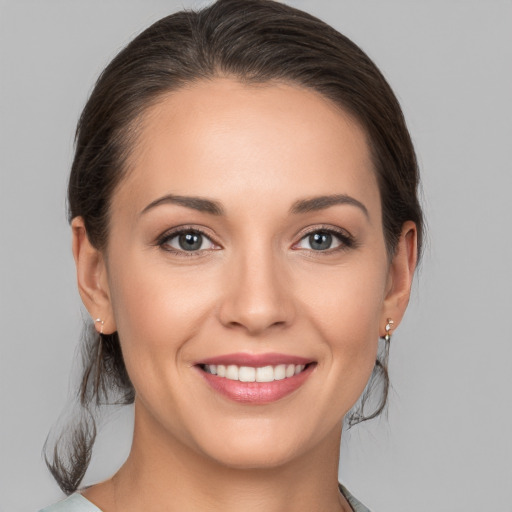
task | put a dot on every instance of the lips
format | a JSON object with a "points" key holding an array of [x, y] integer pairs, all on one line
{"points": [[255, 360], [255, 378]]}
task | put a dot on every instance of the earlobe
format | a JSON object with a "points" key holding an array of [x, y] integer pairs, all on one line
{"points": [[91, 275], [401, 273]]}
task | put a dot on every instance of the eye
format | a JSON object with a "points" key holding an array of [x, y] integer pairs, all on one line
{"points": [[186, 241], [323, 240]]}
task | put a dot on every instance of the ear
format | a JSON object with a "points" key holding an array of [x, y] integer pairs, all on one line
{"points": [[401, 273], [91, 273]]}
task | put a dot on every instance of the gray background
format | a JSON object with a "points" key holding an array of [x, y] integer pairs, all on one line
{"points": [[446, 444]]}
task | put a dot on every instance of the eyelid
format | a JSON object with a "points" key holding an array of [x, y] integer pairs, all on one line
{"points": [[163, 239], [345, 238], [347, 241]]}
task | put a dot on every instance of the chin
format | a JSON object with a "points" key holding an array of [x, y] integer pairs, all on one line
{"points": [[247, 449], [254, 457]]}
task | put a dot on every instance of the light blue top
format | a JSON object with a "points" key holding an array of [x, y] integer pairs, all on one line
{"points": [[74, 503], [77, 503]]}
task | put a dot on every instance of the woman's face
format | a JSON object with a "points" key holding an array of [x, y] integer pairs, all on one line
{"points": [[247, 241]]}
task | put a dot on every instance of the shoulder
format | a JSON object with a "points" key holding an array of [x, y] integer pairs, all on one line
{"points": [[74, 503], [356, 505]]}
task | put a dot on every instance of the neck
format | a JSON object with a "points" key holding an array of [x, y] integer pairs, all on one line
{"points": [[166, 475]]}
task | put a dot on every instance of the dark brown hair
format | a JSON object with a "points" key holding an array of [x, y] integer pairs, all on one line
{"points": [[254, 41]]}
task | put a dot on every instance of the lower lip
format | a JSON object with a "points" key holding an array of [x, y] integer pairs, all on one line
{"points": [[257, 393]]}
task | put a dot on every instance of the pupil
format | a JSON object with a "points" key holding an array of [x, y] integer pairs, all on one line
{"points": [[320, 240], [190, 241]]}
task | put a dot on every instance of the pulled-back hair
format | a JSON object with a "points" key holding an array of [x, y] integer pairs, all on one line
{"points": [[253, 41]]}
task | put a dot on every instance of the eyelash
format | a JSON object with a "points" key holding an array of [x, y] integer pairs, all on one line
{"points": [[346, 240], [169, 235]]}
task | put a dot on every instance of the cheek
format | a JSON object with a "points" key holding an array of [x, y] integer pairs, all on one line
{"points": [[347, 299], [345, 308], [157, 311]]}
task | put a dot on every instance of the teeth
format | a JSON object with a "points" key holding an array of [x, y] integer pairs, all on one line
{"points": [[232, 372], [265, 374], [280, 372], [246, 374], [251, 374]]}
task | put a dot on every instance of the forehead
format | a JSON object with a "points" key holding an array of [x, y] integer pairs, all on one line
{"points": [[264, 143]]}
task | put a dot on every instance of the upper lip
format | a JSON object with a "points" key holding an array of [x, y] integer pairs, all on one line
{"points": [[255, 360]]}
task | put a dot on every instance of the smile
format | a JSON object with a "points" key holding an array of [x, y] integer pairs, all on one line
{"points": [[252, 374], [255, 379]]}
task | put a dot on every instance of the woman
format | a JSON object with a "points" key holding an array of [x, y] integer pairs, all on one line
{"points": [[245, 228]]}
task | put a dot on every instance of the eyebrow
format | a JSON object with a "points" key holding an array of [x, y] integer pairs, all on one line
{"points": [[196, 203], [301, 206], [322, 202]]}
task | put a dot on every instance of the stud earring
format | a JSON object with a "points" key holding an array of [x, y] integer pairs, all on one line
{"points": [[102, 324], [389, 326]]}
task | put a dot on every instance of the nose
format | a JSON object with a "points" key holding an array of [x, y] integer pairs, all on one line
{"points": [[257, 294]]}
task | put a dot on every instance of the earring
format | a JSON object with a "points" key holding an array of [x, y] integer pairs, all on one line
{"points": [[102, 324], [389, 326]]}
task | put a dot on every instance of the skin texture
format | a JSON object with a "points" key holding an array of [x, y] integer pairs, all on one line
{"points": [[255, 286]]}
